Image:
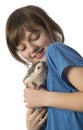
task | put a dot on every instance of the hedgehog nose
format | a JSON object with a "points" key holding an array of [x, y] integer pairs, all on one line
{"points": [[44, 64]]}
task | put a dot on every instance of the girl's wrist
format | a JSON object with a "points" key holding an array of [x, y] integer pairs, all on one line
{"points": [[49, 98], [46, 99]]}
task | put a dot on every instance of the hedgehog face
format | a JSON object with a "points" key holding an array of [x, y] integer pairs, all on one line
{"points": [[40, 68]]}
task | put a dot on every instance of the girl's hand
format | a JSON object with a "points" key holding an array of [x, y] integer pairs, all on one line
{"points": [[35, 118], [35, 98]]}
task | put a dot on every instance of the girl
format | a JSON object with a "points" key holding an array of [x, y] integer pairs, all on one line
{"points": [[33, 36]]}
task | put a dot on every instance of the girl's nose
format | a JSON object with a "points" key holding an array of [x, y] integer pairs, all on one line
{"points": [[33, 49], [30, 48]]}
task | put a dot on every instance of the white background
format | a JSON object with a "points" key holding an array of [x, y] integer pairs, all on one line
{"points": [[69, 15]]}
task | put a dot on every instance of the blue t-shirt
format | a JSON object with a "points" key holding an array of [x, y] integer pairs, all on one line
{"points": [[58, 57]]}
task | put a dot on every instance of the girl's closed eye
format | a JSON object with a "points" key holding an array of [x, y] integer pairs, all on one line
{"points": [[21, 48], [35, 36], [24, 48]]}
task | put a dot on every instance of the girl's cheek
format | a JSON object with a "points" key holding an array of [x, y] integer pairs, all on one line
{"points": [[23, 55]]}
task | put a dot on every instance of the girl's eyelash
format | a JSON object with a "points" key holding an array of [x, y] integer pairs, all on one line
{"points": [[23, 49], [35, 37]]}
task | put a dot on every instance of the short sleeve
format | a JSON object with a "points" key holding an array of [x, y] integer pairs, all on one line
{"points": [[60, 56]]}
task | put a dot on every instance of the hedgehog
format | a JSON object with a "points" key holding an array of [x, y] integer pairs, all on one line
{"points": [[36, 75]]}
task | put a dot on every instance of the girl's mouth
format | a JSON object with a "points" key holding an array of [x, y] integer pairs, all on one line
{"points": [[39, 54]]}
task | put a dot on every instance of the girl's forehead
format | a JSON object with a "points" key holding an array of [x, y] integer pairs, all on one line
{"points": [[35, 28]]}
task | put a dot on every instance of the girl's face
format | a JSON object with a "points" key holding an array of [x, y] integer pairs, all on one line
{"points": [[34, 45]]}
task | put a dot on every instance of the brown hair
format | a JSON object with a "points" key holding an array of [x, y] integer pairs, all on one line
{"points": [[24, 18]]}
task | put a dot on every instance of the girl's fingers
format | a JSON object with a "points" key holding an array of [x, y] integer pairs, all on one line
{"points": [[42, 120], [35, 113], [30, 111], [35, 118], [41, 115]]}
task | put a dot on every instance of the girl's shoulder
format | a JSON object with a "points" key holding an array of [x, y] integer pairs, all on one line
{"points": [[56, 46], [59, 47]]}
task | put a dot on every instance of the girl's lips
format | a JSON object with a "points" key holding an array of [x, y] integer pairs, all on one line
{"points": [[39, 54]]}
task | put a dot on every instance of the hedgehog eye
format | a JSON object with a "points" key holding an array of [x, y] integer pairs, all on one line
{"points": [[38, 67]]}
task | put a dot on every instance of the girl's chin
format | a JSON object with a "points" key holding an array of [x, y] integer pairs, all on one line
{"points": [[43, 59]]}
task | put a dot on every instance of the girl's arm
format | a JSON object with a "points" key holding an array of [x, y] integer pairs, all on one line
{"points": [[63, 100], [75, 77]]}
